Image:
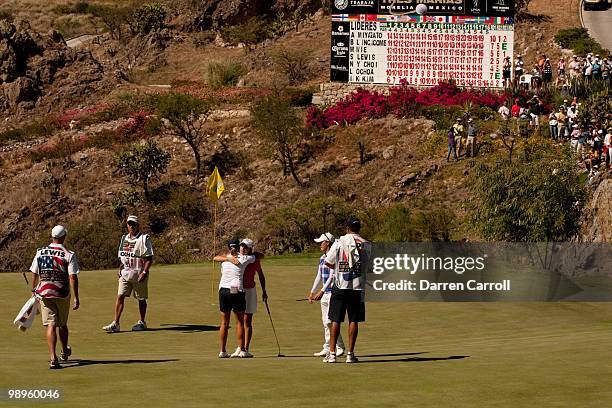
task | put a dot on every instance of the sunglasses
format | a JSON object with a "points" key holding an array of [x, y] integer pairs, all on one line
{"points": [[132, 223]]}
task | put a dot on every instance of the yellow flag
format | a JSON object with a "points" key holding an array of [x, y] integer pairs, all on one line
{"points": [[215, 185]]}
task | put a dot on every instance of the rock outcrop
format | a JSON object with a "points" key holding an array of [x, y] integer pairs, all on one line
{"points": [[34, 65]]}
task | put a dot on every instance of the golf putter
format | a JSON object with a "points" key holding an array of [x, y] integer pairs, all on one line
{"points": [[274, 330]]}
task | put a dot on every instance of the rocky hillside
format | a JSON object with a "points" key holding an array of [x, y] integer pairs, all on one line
{"points": [[66, 171]]}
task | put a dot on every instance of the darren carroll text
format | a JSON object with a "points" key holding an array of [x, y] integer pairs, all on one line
{"points": [[423, 284]]}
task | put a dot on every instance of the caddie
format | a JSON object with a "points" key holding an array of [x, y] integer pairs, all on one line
{"points": [[136, 256]]}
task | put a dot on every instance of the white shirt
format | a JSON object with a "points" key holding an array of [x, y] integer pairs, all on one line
{"points": [[608, 140], [232, 275], [349, 255], [133, 252]]}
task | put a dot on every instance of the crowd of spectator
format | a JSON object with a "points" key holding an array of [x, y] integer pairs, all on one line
{"points": [[561, 74]]}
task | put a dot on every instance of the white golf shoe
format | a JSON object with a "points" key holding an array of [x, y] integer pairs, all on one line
{"points": [[339, 351], [247, 354], [350, 358], [330, 358], [236, 353], [140, 326], [321, 353], [223, 354], [112, 328]]}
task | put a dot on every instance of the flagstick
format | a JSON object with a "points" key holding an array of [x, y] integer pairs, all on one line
{"points": [[212, 275]]}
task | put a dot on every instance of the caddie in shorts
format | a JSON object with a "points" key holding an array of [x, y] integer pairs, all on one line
{"points": [[136, 256], [54, 272], [349, 257]]}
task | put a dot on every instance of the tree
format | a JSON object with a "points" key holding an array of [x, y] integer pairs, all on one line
{"points": [[143, 163], [186, 116], [535, 201], [294, 63], [277, 123], [148, 17]]}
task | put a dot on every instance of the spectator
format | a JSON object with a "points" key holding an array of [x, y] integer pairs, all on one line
{"points": [[552, 124], [596, 68], [561, 67], [575, 136], [582, 141], [518, 68], [504, 112], [536, 78], [507, 72], [547, 71], [458, 130], [471, 138], [451, 145], [562, 123], [574, 68], [572, 114], [516, 109]]}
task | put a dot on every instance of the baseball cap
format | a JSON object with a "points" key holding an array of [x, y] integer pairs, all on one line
{"points": [[247, 243], [233, 243], [325, 237], [58, 231], [132, 218]]}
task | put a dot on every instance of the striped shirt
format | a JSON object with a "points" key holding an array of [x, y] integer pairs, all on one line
{"points": [[323, 275], [53, 264], [325, 272]]}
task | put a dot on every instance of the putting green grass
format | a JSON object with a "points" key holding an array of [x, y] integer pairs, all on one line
{"points": [[412, 354]]}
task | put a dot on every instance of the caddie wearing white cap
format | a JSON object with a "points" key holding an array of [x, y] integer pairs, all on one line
{"points": [[54, 272], [325, 277], [136, 256]]}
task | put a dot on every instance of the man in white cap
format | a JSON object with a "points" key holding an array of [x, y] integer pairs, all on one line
{"points": [[246, 248], [136, 256], [54, 272], [325, 278]]}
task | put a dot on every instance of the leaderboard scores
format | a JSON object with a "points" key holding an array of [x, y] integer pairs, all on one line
{"points": [[471, 51]]}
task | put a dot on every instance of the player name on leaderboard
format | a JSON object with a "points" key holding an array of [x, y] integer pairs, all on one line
{"points": [[425, 50]]}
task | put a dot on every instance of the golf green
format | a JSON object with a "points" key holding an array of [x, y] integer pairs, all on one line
{"points": [[411, 354]]}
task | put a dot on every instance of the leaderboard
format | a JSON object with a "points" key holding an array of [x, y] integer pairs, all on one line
{"points": [[422, 50]]}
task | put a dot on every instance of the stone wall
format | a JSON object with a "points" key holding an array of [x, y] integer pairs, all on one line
{"points": [[331, 92]]}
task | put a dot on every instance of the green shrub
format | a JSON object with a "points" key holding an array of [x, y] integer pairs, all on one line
{"points": [[12, 135], [292, 228], [188, 204], [148, 17], [142, 164], [125, 200], [250, 33], [295, 64], [220, 74], [578, 40], [95, 239]]}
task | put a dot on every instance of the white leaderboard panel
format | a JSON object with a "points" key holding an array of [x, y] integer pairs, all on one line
{"points": [[422, 50]]}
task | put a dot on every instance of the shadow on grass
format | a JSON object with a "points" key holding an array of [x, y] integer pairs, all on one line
{"points": [[80, 363], [366, 355], [185, 328], [412, 359]]}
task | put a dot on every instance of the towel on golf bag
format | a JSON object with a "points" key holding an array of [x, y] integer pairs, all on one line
{"points": [[26, 315], [140, 247], [348, 248]]}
